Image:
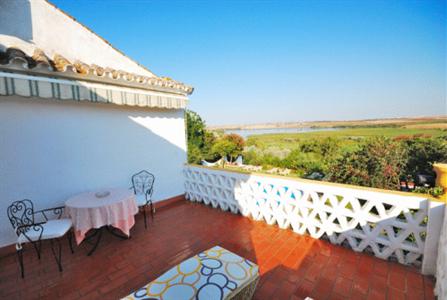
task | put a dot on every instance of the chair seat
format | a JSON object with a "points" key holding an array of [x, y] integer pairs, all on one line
{"points": [[141, 199], [51, 229]]}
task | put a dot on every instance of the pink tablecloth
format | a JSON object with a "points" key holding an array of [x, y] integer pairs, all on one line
{"points": [[87, 211]]}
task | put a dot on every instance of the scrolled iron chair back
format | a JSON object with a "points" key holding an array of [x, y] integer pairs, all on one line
{"points": [[21, 215], [142, 182]]}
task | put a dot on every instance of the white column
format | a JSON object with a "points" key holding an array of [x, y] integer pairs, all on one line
{"points": [[435, 220], [441, 272]]}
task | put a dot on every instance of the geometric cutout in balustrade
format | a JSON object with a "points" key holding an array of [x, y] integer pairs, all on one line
{"points": [[329, 203], [410, 239], [220, 181], [423, 235], [363, 225], [362, 202], [388, 207]]}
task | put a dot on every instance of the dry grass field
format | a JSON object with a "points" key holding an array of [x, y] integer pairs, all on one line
{"points": [[438, 122]]}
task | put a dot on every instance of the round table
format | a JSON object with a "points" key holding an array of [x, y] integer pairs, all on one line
{"points": [[94, 211]]}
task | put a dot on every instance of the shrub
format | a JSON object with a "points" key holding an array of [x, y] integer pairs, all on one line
{"points": [[251, 157], [434, 191], [329, 147], [194, 154], [255, 142], [422, 153], [304, 163], [379, 162], [309, 146]]}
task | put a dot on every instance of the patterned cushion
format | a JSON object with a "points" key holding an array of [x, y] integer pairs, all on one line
{"points": [[213, 274]]}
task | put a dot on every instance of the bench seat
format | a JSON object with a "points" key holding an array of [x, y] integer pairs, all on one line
{"points": [[213, 274]]}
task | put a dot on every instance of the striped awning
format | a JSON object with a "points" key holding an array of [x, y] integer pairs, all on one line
{"points": [[76, 90]]}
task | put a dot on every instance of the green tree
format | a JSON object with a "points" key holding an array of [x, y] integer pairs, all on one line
{"points": [[223, 148], [228, 146], [195, 129], [208, 142], [199, 140], [238, 143]]}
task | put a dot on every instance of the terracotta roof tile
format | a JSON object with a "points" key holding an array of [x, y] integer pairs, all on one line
{"points": [[98, 71], [40, 58], [14, 56], [82, 68], [59, 64]]}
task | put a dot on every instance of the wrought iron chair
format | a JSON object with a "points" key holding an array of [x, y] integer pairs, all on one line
{"points": [[143, 187], [33, 226]]}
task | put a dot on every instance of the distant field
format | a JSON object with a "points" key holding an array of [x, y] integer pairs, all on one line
{"points": [[350, 136], [428, 126], [356, 132], [440, 121]]}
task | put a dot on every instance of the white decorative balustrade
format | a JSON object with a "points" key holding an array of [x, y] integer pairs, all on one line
{"points": [[388, 224], [441, 273]]}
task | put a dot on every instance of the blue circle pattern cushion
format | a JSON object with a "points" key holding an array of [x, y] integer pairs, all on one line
{"points": [[212, 274]]}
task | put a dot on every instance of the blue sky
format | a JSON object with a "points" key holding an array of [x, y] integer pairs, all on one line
{"points": [[270, 61]]}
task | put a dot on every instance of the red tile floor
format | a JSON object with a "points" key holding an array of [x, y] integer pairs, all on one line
{"points": [[292, 266]]}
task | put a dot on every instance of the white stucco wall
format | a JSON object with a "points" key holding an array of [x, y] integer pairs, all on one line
{"points": [[51, 150], [38, 23], [441, 273]]}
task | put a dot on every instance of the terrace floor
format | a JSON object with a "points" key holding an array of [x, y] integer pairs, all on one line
{"points": [[292, 266]]}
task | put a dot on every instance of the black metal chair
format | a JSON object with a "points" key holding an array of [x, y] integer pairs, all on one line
{"points": [[35, 226], [143, 187]]}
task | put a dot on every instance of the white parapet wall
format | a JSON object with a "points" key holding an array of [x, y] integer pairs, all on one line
{"points": [[390, 225], [441, 273]]}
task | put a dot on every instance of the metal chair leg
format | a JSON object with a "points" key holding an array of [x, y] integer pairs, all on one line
{"points": [[70, 238], [20, 257], [37, 246], [152, 209], [57, 256], [144, 214]]}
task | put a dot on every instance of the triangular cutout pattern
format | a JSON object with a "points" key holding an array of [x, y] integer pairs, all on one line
{"points": [[380, 223]]}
